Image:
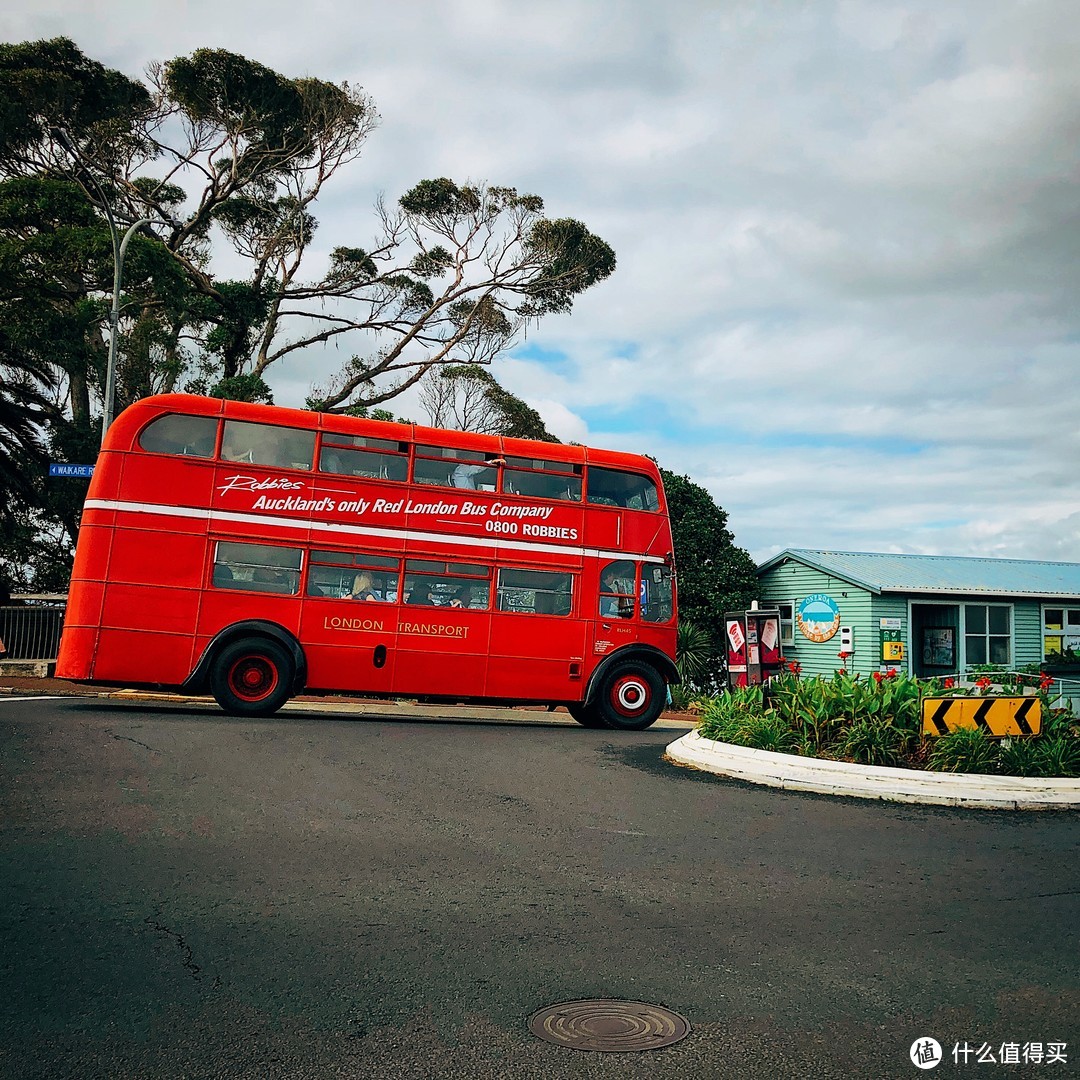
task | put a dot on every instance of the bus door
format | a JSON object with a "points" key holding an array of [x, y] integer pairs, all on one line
{"points": [[537, 643], [634, 602], [614, 611], [443, 629], [350, 622]]}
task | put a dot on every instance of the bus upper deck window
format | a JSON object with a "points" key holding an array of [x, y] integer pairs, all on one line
{"points": [[450, 467], [363, 456], [542, 479], [178, 434], [266, 444], [613, 487]]}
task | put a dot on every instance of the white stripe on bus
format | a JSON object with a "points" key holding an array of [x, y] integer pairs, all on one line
{"points": [[500, 543]]}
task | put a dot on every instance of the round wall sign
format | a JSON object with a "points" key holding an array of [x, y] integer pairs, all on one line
{"points": [[818, 616]]}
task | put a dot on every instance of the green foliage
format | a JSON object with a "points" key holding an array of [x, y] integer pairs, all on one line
{"points": [[768, 731], [714, 576], [1057, 755], [725, 716], [740, 717], [43, 83], [694, 653], [966, 750], [217, 146], [874, 740], [878, 722], [468, 397], [571, 260], [242, 97], [247, 387], [442, 201]]}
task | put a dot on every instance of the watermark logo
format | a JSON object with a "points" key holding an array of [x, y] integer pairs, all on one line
{"points": [[926, 1053]]}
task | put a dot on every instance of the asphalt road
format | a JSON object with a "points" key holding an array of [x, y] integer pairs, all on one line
{"points": [[188, 895]]}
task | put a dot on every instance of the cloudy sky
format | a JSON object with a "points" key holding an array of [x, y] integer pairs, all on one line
{"points": [[847, 232]]}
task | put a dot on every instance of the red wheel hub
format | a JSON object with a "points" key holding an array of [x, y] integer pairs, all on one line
{"points": [[253, 678], [630, 695]]}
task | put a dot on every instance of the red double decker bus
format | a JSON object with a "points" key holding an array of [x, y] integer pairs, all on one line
{"points": [[256, 551]]}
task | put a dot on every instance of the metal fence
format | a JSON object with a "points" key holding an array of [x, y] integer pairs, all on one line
{"points": [[30, 626]]}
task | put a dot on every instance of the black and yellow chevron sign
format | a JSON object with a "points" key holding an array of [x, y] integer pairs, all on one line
{"points": [[995, 715]]}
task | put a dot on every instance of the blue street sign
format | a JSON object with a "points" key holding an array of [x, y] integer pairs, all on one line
{"points": [[70, 470]]}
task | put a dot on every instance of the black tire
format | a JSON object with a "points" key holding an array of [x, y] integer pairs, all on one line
{"points": [[585, 715], [631, 695], [252, 677]]}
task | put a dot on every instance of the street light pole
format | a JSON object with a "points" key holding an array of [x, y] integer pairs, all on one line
{"points": [[119, 247]]}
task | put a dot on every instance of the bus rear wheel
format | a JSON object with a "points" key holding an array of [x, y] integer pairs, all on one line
{"points": [[631, 696], [252, 677]]}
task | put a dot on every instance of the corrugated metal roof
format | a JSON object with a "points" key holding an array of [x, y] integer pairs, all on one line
{"points": [[940, 573]]}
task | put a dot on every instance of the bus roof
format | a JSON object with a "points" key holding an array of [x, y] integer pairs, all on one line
{"points": [[125, 429]]}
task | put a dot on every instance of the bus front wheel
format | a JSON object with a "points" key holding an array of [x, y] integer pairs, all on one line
{"points": [[586, 715], [251, 677], [631, 696]]}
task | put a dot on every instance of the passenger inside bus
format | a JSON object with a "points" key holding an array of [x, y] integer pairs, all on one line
{"points": [[462, 597], [362, 588], [421, 593], [469, 476], [616, 594]]}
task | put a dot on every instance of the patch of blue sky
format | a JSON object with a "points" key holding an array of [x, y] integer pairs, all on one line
{"points": [[673, 424], [945, 523], [557, 359], [813, 440]]}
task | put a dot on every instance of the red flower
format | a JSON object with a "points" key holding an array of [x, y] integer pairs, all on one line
{"points": [[843, 655], [877, 677], [984, 683], [794, 667], [891, 673], [950, 682], [1046, 682]]}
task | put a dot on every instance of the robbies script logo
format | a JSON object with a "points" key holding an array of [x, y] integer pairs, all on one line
{"points": [[251, 483]]}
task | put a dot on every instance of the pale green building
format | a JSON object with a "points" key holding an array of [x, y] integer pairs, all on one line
{"points": [[946, 614]]}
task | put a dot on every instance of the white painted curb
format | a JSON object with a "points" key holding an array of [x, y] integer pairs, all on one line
{"points": [[794, 773]]}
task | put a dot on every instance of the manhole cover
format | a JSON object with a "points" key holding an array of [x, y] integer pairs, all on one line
{"points": [[608, 1024]]}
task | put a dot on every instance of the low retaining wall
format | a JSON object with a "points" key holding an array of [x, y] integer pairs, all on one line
{"points": [[793, 773]]}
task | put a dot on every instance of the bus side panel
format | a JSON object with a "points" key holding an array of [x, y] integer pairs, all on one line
{"points": [[536, 657], [76, 656], [222, 608], [442, 651], [646, 532], [602, 527], [161, 556], [86, 594], [156, 479], [142, 656], [154, 589], [341, 641]]}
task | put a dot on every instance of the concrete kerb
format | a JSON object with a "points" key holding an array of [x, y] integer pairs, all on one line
{"points": [[791, 773], [375, 710]]}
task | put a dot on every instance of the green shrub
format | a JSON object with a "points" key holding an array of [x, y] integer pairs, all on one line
{"points": [[694, 654], [767, 731], [1058, 755], [966, 750], [1019, 757], [725, 714], [877, 721], [874, 741]]}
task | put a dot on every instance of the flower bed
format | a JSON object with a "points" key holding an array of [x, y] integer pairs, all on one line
{"points": [[877, 721]]}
